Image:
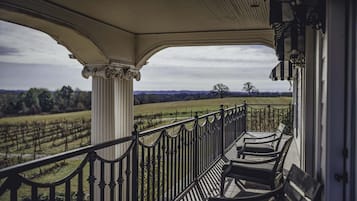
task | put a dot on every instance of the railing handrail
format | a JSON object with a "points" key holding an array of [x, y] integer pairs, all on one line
{"points": [[154, 130], [272, 104], [192, 119], [61, 156], [15, 169]]}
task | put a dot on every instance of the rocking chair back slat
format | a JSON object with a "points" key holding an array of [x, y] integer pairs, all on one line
{"points": [[283, 153]]}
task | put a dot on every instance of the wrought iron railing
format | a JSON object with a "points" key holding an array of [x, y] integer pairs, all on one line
{"points": [[266, 117], [159, 164]]}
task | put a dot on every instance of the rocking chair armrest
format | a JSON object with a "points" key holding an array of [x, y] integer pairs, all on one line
{"points": [[244, 161], [258, 197], [259, 138], [263, 142], [269, 154]]}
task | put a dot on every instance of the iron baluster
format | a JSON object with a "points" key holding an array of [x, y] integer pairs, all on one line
{"points": [[195, 140], [271, 127], [102, 181], [135, 176], [80, 193], [163, 168], [91, 178], [167, 166], [260, 120], [13, 183], [158, 168], [235, 120], [222, 131], [34, 193], [175, 166], [199, 152], [182, 160], [142, 166], [68, 190], [264, 119], [148, 169], [112, 181], [187, 154], [178, 182], [274, 122], [52, 192], [128, 173], [171, 168], [153, 172]]}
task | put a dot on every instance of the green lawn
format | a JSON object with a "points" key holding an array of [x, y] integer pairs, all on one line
{"points": [[166, 107]]}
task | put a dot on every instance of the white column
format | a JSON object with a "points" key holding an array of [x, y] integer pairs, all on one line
{"points": [[112, 100], [103, 122], [123, 109], [112, 111]]}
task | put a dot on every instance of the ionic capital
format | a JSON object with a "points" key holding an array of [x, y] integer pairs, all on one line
{"points": [[110, 71]]}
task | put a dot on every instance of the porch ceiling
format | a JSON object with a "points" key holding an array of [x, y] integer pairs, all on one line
{"points": [[162, 16], [130, 31]]}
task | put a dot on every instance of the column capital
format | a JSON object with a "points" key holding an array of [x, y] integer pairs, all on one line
{"points": [[111, 70]]}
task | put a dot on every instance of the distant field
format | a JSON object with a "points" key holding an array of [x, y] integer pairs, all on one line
{"points": [[166, 107], [206, 104], [47, 117]]}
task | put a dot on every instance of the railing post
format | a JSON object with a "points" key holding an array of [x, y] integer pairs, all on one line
{"points": [[235, 121], [245, 116], [91, 177], [271, 125], [135, 165], [13, 183], [222, 131], [196, 158]]}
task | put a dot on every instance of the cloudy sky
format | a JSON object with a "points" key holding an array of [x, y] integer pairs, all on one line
{"points": [[30, 58]]}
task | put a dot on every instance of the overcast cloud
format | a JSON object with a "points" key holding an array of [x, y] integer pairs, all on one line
{"points": [[30, 58]]}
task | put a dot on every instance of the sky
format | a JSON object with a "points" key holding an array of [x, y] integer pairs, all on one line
{"points": [[29, 58]]}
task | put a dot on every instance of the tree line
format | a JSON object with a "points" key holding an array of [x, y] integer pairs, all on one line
{"points": [[40, 100], [65, 99]]}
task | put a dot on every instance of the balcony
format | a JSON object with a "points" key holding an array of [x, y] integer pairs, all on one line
{"points": [[180, 161]]}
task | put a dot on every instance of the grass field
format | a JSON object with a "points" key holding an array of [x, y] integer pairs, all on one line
{"points": [[46, 117], [166, 107]]}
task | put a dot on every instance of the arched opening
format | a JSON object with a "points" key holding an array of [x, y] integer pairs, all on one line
{"points": [[188, 75], [43, 100], [200, 67]]}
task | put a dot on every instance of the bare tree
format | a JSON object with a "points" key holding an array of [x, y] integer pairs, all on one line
{"points": [[220, 89], [249, 87]]}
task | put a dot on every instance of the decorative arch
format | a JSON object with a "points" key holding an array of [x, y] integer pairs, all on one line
{"points": [[148, 45], [82, 48]]}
